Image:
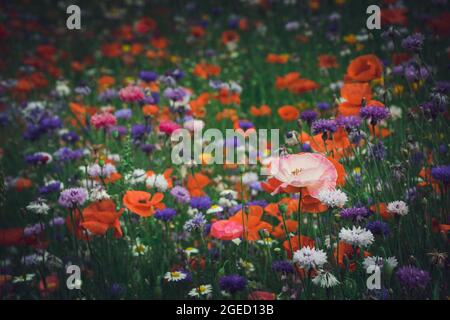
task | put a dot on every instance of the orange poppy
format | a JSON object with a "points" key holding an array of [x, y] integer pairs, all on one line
{"points": [[280, 232], [262, 111], [205, 70], [288, 113], [364, 68], [100, 216], [251, 222], [394, 16], [196, 183], [150, 110], [381, 209], [277, 58], [229, 36], [197, 31], [159, 42], [142, 203], [302, 86], [354, 93], [347, 252], [285, 81], [296, 244], [327, 61]]}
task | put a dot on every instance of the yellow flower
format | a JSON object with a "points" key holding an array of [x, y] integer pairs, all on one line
{"points": [[126, 48], [350, 39], [398, 89]]}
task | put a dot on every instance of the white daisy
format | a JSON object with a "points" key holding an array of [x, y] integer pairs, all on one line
{"points": [[190, 251], [356, 236], [267, 242], [214, 209], [174, 276], [308, 258], [139, 249], [202, 290]]}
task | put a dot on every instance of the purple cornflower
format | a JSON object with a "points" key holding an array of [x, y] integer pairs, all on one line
{"points": [[201, 203], [232, 283], [66, 154], [166, 214], [441, 173], [72, 197], [197, 222], [116, 290], [38, 158], [378, 227], [430, 110], [374, 114], [245, 125], [413, 42], [148, 148], [350, 123], [54, 186], [108, 95], [57, 221], [324, 126], [70, 137], [412, 277], [123, 114], [33, 230], [356, 214], [138, 131], [282, 266], [175, 94], [148, 76], [180, 194], [322, 106], [377, 151], [308, 116]]}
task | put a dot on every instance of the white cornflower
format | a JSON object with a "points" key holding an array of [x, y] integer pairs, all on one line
{"points": [[390, 262], [249, 177], [228, 198], [137, 176], [398, 207], [157, 181], [325, 279], [39, 207], [98, 193], [174, 276], [333, 198], [62, 89], [203, 290], [308, 258], [356, 236]]}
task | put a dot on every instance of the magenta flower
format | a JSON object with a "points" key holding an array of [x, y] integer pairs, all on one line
{"points": [[103, 120], [131, 94]]}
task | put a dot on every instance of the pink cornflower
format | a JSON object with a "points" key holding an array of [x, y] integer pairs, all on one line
{"points": [[168, 127], [131, 94], [103, 120]]}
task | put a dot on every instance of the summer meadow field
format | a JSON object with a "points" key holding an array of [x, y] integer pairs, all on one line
{"points": [[350, 201]]}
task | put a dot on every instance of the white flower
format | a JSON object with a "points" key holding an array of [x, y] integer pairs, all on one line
{"points": [[267, 242], [228, 198], [137, 176], [396, 112], [39, 207], [356, 236], [398, 207], [98, 194], [157, 181], [325, 279], [62, 89], [390, 262], [139, 249], [175, 276], [308, 258], [24, 278], [202, 290], [246, 265], [214, 209], [249, 177], [333, 198], [190, 251]]}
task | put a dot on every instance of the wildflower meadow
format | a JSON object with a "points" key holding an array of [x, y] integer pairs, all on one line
{"points": [[224, 150]]}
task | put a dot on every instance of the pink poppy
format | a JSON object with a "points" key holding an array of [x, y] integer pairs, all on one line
{"points": [[312, 171], [226, 230]]}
